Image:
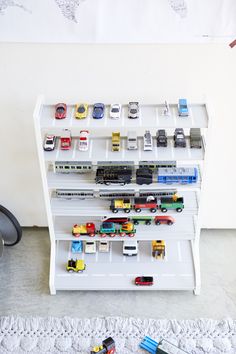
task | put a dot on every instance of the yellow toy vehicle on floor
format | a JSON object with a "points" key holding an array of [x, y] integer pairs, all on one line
{"points": [[77, 265], [158, 249]]}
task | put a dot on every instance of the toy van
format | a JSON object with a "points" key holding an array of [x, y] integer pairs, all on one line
{"points": [[132, 141]]}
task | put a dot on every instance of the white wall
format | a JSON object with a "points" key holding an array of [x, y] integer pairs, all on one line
{"points": [[91, 73]]}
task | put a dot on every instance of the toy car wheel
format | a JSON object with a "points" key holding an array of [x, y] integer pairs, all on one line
{"points": [[170, 222], [127, 211], [138, 210], [112, 235], [115, 210], [122, 234], [76, 235], [92, 235], [136, 222], [158, 222], [164, 210], [107, 183], [148, 222], [70, 271], [131, 235], [153, 210], [179, 210]]}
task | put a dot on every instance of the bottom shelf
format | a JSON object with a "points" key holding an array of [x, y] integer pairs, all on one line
{"points": [[113, 271]]}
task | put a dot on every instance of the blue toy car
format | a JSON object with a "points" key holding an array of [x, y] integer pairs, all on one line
{"points": [[183, 107], [77, 247], [98, 110]]}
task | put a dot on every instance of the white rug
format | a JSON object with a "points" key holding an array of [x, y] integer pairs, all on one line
{"points": [[78, 336]]}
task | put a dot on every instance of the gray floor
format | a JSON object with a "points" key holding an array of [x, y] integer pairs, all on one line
{"points": [[24, 285]]}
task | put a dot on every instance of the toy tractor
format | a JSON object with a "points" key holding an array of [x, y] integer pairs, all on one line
{"points": [[76, 266]]}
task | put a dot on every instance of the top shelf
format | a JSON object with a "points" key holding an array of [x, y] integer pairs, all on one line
{"points": [[151, 116]]}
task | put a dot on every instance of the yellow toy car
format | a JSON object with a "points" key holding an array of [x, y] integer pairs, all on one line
{"points": [[77, 265], [81, 110], [158, 249]]}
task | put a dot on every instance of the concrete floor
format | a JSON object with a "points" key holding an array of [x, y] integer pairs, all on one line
{"points": [[24, 285]]}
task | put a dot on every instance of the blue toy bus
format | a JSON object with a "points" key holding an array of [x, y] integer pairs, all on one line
{"points": [[180, 175]]}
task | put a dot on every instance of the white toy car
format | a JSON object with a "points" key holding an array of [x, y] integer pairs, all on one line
{"points": [[104, 246], [84, 140], [49, 143], [147, 141], [132, 141], [115, 111], [133, 110], [90, 247], [130, 248]]}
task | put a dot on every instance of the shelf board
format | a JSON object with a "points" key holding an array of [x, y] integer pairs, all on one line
{"points": [[113, 271], [87, 181], [63, 227], [151, 115], [100, 149], [100, 207]]}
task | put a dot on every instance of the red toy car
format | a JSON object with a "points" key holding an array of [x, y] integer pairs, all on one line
{"points": [[158, 220], [143, 281], [66, 140], [60, 111]]}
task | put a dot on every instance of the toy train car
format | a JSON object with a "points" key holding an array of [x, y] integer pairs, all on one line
{"points": [[177, 175], [73, 166], [109, 176], [109, 194], [157, 164], [75, 193], [157, 192], [115, 164], [107, 347]]}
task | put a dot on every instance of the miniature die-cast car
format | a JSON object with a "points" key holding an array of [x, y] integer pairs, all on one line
{"points": [[161, 138], [195, 138], [98, 110], [77, 266], [130, 248], [90, 247], [49, 143], [65, 139], [169, 220], [81, 110], [60, 111], [145, 281], [115, 111], [77, 246], [104, 246], [133, 110], [132, 140], [183, 107], [84, 140], [179, 138], [147, 141]]}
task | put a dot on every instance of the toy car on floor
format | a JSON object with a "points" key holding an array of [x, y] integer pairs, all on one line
{"points": [[195, 138], [77, 246], [183, 107], [103, 246], [81, 111], [179, 138], [60, 111], [130, 248], [107, 347], [76, 266], [84, 140], [143, 281], [98, 110], [65, 140], [90, 247], [133, 110], [49, 143], [161, 138], [168, 220], [115, 111], [158, 249]]}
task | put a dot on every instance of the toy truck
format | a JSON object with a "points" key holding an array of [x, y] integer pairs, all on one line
{"points": [[107, 228], [116, 141], [107, 347], [87, 229], [65, 140], [151, 346], [76, 266], [195, 138], [168, 203], [121, 204], [109, 176], [145, 203], [158, 249], [127, 229]]}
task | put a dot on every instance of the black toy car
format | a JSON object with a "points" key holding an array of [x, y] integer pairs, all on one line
{"points": [[195, 138], [179, 138], [161, 138], [144, 176]]}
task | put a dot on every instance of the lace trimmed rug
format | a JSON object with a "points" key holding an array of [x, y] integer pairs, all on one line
{"points": [[77, 336]]}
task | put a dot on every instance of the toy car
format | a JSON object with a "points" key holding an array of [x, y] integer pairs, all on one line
{"points": [[143, 281], [107, 347], [115, 111], [132, 141], [158, 220], [81, 111], [66, 140], [166, 111], [104, 246], [77, 266], [98, 110], [161, 138], [84, 140], [179, 138], [60, 111], [115, 141], [77, 246], [158, 249], [90, 247], [195, 138], [147, 141], [133, 110], [49, 143], [183, 107], [130, 248]]}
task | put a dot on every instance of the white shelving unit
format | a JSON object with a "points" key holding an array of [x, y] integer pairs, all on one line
{"points": [[180, 270]]}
